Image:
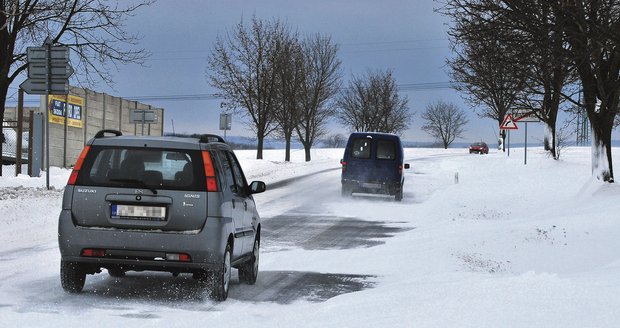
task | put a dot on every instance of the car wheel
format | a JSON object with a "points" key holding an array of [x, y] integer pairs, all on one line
{"points": [[72, 276], [116, 272], [220, 279], [248, 271]]}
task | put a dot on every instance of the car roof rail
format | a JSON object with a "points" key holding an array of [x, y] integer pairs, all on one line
{"points": [[206, 138], [102, 133]]}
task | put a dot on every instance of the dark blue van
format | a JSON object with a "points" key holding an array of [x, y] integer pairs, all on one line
{"points": [[373, 163]]}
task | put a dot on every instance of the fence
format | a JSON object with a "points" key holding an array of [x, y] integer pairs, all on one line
{"points": [[73, 120]]}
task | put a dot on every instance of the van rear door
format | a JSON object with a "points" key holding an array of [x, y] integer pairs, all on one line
{"points": [[386, 160]]}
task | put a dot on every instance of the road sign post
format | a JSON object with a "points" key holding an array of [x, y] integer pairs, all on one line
{"points": [[143, 116], [225, 122], [508, 124], [48, 73], [525, 116]]}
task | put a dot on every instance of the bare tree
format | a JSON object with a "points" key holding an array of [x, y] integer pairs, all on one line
{"points": [[563, 135], [550, 73], [242, 67], [587, 32], [593, 32], [322, 81], [372, 103], [484, 67], [444, 121], [92, 29], [290, 75], [335, 141]]}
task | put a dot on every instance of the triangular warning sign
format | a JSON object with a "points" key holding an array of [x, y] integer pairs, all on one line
{"points": [[508, 124]]}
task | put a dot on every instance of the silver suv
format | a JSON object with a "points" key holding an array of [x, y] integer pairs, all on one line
{"points": [[180, 205]]}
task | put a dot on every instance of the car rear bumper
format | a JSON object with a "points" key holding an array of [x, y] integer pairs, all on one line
{"points": [[144, 250], [373, 187]]}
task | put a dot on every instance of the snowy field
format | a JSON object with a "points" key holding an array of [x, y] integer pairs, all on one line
{"points": [[485, 241]]}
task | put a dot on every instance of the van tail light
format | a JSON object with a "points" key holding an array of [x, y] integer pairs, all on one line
{"points": [[344, 165], [78, 166], [400, 169], [209, 171]]}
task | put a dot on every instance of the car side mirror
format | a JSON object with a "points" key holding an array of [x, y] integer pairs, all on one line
{"points": [[256, 187], [341, 160], [407, 166]]}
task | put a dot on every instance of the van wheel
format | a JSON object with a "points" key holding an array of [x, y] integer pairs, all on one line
{"points": [[220, 279], [346, 191], [248, 271], [399, 194], [72, 276]]}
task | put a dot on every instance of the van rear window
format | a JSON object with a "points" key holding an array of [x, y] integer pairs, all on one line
{"points": [[386, 149], [139, 168], [361, 148]]}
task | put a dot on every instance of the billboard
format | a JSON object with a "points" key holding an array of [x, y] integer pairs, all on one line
{"points": [[74, 112]]}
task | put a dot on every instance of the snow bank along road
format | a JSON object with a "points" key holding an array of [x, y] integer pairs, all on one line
{"points": [[508, 245]]}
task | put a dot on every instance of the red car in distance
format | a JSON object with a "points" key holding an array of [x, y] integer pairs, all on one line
{"points": [[479, 148]]}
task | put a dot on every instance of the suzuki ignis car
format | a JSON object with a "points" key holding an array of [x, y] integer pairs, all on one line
{"points": [[180, 205]]}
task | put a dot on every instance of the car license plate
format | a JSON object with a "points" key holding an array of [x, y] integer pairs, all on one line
{"points": [[371, 185], [154, 213]]}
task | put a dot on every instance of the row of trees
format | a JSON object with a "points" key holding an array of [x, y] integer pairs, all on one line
{"points": [[537, 55], [290, 85]]}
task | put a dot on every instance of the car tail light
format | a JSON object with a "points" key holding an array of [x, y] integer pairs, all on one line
{"points": [[209, 171], [181, 257], [344, 165], [78, 166], [400, 169], [93, 252]]}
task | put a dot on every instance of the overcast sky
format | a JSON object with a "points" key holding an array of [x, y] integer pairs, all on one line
{"points": [[405, 36]]}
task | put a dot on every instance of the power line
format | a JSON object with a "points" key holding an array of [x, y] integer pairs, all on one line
{"points": [[423, 86], [210, 96]]}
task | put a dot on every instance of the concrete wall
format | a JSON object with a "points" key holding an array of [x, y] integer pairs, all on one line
{"points": [[100, 111]]}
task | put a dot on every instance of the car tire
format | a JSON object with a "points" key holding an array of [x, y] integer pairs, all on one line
{"points": [[72, 276], [248, 271], [220, 279]]}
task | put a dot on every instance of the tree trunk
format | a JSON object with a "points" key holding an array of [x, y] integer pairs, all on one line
{"points": [[602, 166], [502, 139], [550, 143], [307, 151], [287, 151], [259, 146], [3, 92], [548, 137]]}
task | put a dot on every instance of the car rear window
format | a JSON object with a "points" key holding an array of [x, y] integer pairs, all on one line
{"points": [[361, 148], [138, 167], [386, 149]]}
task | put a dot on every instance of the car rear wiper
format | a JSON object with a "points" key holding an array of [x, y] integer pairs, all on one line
{"points": [[136, 181]]}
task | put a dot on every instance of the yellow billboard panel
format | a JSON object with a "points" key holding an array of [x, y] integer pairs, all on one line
{"points": [[74, 111]]}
